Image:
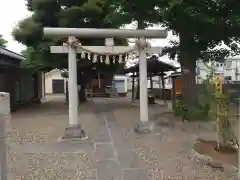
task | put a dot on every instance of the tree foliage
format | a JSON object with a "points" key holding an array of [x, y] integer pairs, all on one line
{"points": [[64, 13], [3, 42], [201, 26]]}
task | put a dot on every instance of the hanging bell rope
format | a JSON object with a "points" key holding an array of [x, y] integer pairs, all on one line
{"points": [[134, 48]]}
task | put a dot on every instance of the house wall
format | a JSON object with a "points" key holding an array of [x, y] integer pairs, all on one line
{"points": [[22, 86], [54, 74], [233, 68], [230, 68], [202, 71], [125, 84]]}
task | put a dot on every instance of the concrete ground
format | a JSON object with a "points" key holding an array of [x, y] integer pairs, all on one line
{"points": [[112, 152]]}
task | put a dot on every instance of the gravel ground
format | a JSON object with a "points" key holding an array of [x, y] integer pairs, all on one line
{"points": [[33, 151], [166, 153], [113, 151]]}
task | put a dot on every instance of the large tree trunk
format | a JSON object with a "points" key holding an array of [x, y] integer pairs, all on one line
{"points": [[188, 57], [188, 79]]}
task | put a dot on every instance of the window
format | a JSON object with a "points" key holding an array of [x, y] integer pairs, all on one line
{"points": [[228, 78], [229, 64]]}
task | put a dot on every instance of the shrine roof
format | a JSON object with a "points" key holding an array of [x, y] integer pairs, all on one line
{"points": [[10, 58], [154, 66], [6, 52]]}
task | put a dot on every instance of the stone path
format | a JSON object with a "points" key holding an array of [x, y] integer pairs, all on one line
{"points": [[112, 152], [116, 156]]}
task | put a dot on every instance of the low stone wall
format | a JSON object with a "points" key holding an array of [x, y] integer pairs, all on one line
{"points": [[5, 125]]}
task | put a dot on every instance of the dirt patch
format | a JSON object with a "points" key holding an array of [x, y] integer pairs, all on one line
{"points": [[224, 154]]}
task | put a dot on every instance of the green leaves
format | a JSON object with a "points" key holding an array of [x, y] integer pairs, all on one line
{"points": [[64, 13], [3, 42], [28, 32]]}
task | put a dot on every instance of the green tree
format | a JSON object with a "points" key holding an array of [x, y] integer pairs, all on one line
{"points": [[143, 13], [65, 13], [3, 42], [201, 26]]}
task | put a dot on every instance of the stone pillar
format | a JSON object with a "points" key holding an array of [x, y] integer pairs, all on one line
{"points": [[5, 121], [143, 125], [43, 98], [74, 131]]}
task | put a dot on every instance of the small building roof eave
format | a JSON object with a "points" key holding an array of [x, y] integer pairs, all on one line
{"points": [[11, 54], [155, 65]]}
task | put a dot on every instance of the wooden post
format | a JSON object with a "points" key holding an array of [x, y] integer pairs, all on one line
{"points": [[218, 91], [99, 80], [151, 81], [174, 77], [133, 87], [138, 87], [163, 89]]}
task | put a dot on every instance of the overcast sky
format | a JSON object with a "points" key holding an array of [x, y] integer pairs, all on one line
{"points": [[11, 12]]}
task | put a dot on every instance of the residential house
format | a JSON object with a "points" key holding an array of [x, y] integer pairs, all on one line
{"points": [[24, 86]]}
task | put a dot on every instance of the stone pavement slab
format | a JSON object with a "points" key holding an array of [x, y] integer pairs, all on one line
{"points": [[129, 160], [136, 174], [105, 151], [108, 170]]}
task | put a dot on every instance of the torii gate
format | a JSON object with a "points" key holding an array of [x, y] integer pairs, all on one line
{"points": [[74, 130]]}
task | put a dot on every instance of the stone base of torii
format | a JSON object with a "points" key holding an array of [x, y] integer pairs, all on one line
{"points": [[75, 131]]}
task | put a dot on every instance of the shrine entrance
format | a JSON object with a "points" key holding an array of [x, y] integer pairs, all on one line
{"points": [[108, 54]]}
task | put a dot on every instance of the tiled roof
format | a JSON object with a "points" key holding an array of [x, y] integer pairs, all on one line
{"points": [[9, 53]]}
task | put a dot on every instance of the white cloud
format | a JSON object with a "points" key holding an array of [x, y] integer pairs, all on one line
{"points": [[11, 12]]}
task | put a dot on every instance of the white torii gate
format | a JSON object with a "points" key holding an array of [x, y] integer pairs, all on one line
{"points": [[74, 130]]}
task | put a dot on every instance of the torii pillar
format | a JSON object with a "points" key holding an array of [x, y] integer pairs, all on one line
{"points": [[143, 125]]}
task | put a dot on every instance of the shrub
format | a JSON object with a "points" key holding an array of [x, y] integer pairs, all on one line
{"points": [[191, 113]]}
